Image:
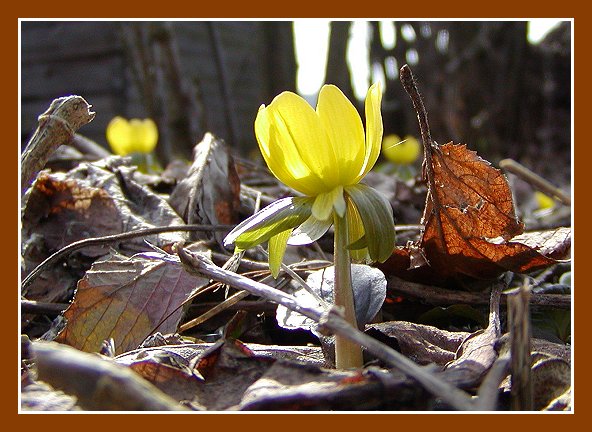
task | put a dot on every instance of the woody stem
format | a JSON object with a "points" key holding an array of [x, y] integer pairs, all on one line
{"points": [[347, 354]]}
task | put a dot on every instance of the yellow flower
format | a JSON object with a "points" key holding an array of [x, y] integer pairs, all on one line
{"points": [[402, 152], [543, 201], [323, 154], [319, 152], [133, 136]]}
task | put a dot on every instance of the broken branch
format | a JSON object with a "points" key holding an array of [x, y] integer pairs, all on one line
{"points": [[57, 126]]}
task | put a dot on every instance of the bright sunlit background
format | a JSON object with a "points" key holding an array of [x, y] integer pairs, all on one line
{"points": [[312, 42]]}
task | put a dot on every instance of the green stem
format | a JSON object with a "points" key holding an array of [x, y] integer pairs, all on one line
{"points": [[347, 354]]}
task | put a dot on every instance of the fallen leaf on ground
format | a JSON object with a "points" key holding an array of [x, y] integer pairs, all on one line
{"points": [[423, 344], [250, 377], [471, 228], [127, 299], [92, 200], [477, 353], [210, 194], [550, 373]]}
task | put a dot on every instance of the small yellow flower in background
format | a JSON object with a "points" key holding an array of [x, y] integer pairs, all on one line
{"points": [[544, 202], [133, 136], [323, 154], [401, 152]]}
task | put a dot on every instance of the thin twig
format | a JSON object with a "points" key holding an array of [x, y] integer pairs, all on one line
{"points": [[441, 296], [409, 227], [300, 281], [333, 322], [535, 180], [259, 306], [408, 81], [215, 310], [42, 308], [429, 146], [488, 392], [55, 257], [240, 295], [218, 308]]}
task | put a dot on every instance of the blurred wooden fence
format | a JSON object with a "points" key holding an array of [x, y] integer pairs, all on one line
{"points": [[482, 82], [191, 77]]}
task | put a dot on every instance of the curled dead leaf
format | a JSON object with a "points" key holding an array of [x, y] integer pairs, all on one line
{"points": [[469, 218], [471, 228], [210, 194]]}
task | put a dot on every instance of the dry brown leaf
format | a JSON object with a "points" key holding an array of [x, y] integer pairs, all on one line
{"points": [[210, 194], [423, 344], [471, 228], [240, 376], [469, 218], [127, 300], [92, 200]]}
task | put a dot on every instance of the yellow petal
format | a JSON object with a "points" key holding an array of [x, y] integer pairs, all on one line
{"points": [[281, 154], [136, 135], [144, 135], [324, 203], [299, 124], [343, 126], [118, 136], [373, 127], [355, 228], [543, 201]]}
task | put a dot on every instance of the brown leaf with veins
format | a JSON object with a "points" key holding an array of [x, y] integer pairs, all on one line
{"points": [[469, 219], [471, 228], [92, 200], [127, 299]]}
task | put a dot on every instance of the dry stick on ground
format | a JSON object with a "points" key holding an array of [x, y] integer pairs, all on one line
{"points": [[488, 391], [54, 258], [98, 384], [57, 126], [407, 79], [42, 308], [215, 310], [330, 321], [441, 296], [519, 324], [240, 295], [535, 180]]}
